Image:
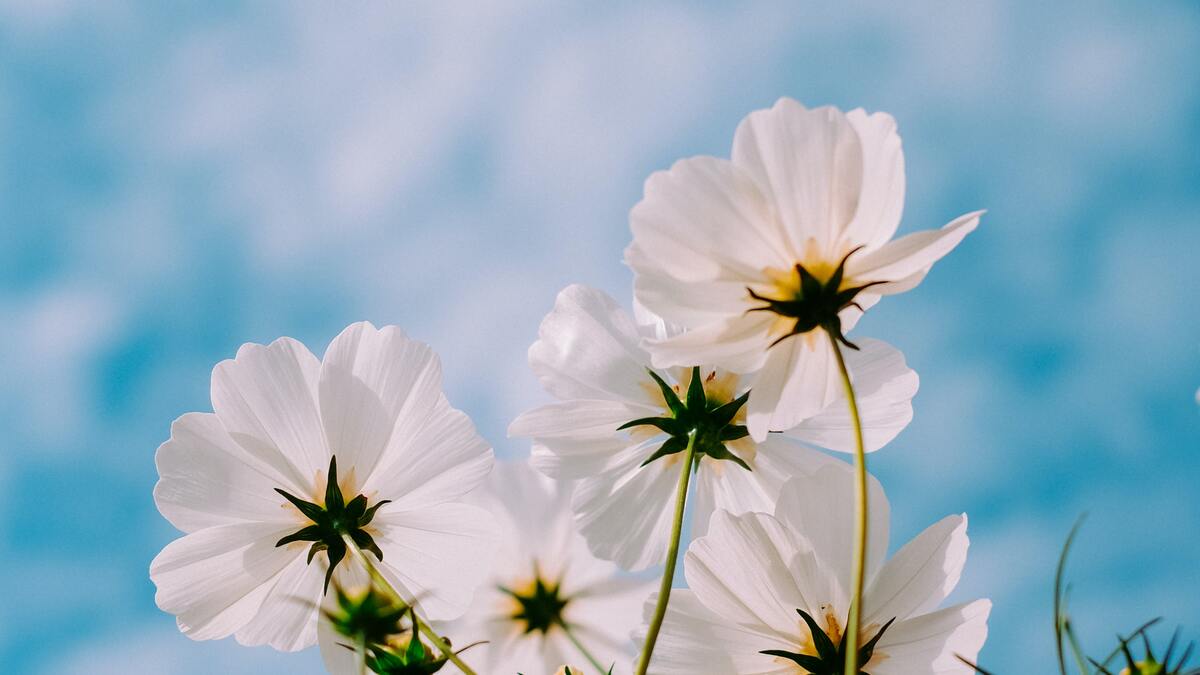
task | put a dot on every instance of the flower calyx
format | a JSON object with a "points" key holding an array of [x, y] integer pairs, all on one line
{"points": [[816, 303], [541, 607], [830, 659], [332, 521], [707, 425]]}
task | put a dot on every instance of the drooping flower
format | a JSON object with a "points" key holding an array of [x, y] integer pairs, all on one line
{"points": [[620, 427], [760, 255], [546, 591], [770, 593], [301, 454]]}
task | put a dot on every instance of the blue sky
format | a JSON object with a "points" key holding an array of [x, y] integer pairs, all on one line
{"points": [[174, 182]]}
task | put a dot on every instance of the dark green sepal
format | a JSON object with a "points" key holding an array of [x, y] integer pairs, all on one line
{"points": [[707, 425], [830, 658], [541, 609], [816, 304], [333, 520]]}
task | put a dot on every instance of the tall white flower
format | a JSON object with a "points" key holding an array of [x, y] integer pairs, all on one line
{"points": [[300, 453], [546, 590], [792, 234], [769, 594], [589, 355]]}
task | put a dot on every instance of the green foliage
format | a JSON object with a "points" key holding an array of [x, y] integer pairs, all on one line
{"points": [[1064, 636], [697, 420], [333, 520]]}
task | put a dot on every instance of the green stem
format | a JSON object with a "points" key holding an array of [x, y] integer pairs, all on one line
{"points": [[420, 626], [582, 650], [664, 589], [360, 651], [854, 620]]}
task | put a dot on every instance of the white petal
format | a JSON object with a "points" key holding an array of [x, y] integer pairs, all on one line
{"points": [[605, 618], [696, 640], [908, 256], [723, 485], [739, 570], [705, 219], [930, 643], [821, 507], [882, 198], [207, 479], [267, 399], [214, 581], [564, 459], [288, 618], [688, 303], [738, 344], [625, 513], [337, 658], [810, 164], [799, 380], [921, 574], [438, 556], [375, 383], [884, 386], [579, 419], [588, 347], [441, 460]]}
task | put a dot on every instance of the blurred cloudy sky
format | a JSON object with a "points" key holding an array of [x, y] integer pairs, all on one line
{"points": [[177, 179]]}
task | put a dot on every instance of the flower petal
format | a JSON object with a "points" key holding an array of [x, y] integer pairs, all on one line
{"points": [[696, 640], [207, 479], [739, 570], [810, 165], [625, 513], [799, 380], [288, 618], [881, 199], [738, 344], [564, 459], [579, 419], [821, 507], [931, 643], [267, 399], [441, 459], [375, 383], [884, 386], [437, 556], [910, 256], [588, 347], [921, 574], [215, 580]]}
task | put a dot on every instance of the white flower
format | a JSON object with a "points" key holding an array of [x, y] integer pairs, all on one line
{"points": [[752, 575], [403, 456], [588, 355], [715, 241], [545, 582]]}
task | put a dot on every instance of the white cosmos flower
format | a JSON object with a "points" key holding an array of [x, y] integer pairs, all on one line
{"points": [[804, 191], [589, 355], [751, 576], [375, 403], [545, 582]]}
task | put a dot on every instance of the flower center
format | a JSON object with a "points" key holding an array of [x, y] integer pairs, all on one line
{"points": [[332, 522], [539, 604], [706, 421], [810, 301], [830, 658]]}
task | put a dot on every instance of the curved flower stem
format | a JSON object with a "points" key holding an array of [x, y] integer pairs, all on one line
{"points": [[418, 624], [583, 650], [854, 620], [664, 588]]}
